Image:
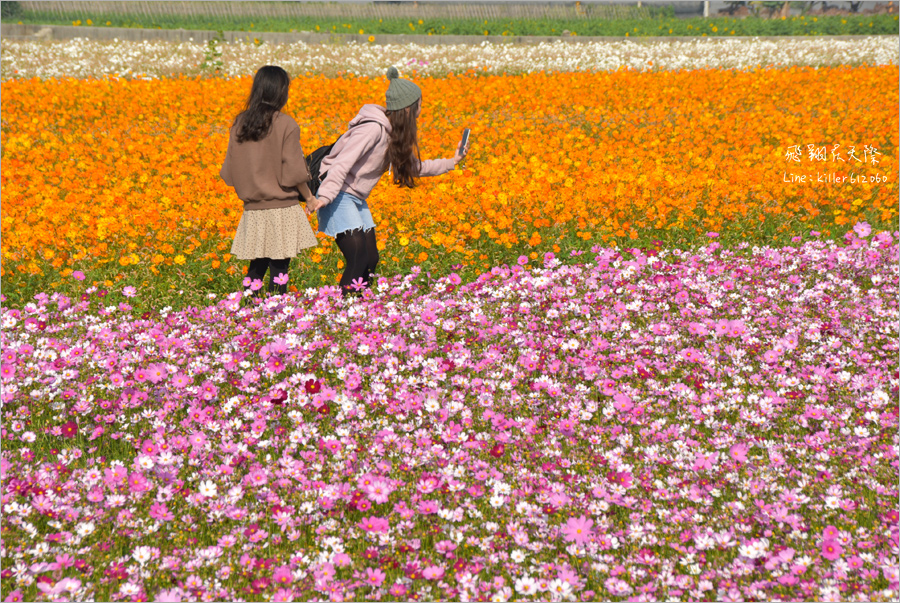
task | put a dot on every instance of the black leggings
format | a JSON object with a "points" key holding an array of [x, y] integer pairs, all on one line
{"points": [[258, 267], [360, 255]]}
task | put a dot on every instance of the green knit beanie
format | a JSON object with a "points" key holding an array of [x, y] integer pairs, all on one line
{"points": [[400, 93]]}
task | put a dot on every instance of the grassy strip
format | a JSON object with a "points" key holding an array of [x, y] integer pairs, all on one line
{"points": [[668, 26], [193, 282]]}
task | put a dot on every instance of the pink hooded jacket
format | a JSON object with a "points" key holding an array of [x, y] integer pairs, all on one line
{"points": [[356, 163]]}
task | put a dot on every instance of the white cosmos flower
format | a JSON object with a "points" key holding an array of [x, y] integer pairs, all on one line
{"points": [[145, 462], [142, 554], [526, 585], [208, 488]]}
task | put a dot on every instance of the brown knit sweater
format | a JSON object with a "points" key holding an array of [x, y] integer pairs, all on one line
{"points": [[266, 173]]}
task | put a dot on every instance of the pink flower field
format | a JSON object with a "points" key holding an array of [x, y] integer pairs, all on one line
{"points": [[633, 425]]}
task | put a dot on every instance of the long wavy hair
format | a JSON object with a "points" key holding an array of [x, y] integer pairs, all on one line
{"points": [[403, 145], [268, 95]]}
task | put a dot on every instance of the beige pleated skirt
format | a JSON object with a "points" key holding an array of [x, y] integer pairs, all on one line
{"points": [[273, 233]]}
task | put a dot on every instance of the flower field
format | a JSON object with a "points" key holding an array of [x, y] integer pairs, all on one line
{"points": [[118, 178], [638, 349], [709, 425], [82, 57]]}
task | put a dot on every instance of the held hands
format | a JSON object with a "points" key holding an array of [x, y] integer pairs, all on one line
{"points": [[312, 205]]}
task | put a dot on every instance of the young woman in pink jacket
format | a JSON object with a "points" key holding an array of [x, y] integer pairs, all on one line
{"points": [[379, 138]]}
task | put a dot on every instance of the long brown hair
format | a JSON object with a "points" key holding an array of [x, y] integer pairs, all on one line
{"points": [[403, 146], [268, 95]]}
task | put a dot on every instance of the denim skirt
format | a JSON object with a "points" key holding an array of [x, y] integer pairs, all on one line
{"points": [[345, 213]]}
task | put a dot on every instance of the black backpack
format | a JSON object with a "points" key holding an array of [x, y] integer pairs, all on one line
{"points": [[314, 162]]}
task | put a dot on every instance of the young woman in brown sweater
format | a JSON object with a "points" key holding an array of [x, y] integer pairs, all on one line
{"points": [[265, 164]]}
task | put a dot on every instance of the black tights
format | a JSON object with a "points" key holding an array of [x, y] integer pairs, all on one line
{"points": [[360, 255], [258, 267]]}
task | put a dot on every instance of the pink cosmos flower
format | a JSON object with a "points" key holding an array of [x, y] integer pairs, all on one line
{"points": [[374, 577], [64, 585], [862, 229], [258, 477], [428, 507], [770, 356], [704, 461], [739, 452], [622, 402], [208, 390], [282, 595], [621, 478], [138, 483], [721, 327], [831, 550], [282, 575], [855, 562], [578, 530], [281, 279], [528, 362], [690, 354], [156, 373], [160, 511], [397, 590], [378, 491], [332, 446], [697, 328], [374, 524], [736, 328], [78, 275], [433, 572]]}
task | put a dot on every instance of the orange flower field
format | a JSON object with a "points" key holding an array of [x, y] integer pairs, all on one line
{"points": [[119, 179]]}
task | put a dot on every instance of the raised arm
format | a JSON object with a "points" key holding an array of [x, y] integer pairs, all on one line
{"points": [[436, 167]]}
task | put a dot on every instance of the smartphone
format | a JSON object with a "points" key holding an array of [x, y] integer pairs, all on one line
{"points": [[465, 141]]}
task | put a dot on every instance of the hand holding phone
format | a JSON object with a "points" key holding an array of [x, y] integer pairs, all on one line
{"points": [[464, 144]]}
